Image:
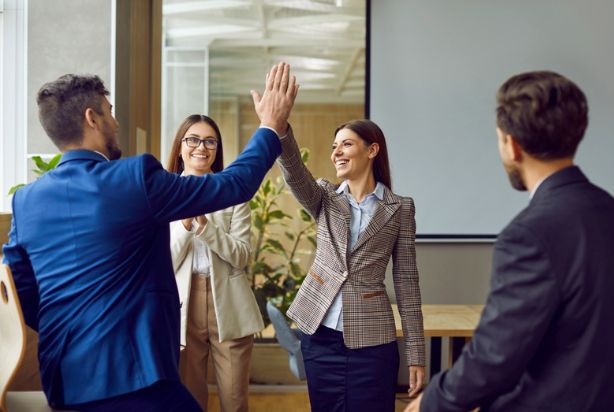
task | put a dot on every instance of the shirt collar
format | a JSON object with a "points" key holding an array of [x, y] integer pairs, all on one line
{"points": [[82, 154], [102, 154], [378, 191]]}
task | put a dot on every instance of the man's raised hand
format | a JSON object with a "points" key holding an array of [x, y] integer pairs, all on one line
{"points": [[273, 107]]}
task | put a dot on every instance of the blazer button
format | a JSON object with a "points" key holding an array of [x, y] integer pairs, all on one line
{"points": [[345, 275]]}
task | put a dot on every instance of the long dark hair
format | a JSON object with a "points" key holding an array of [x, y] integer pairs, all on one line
{"points": [[175, 162], [370, 133]]}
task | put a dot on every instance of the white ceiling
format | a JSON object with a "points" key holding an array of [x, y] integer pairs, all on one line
{"points": [[323, 40]]}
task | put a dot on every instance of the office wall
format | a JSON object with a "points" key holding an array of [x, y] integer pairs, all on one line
{"points": [[435, 68], [452, 273]]}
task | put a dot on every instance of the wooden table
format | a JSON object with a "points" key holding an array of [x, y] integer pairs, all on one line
{"points": [[454, 322]]}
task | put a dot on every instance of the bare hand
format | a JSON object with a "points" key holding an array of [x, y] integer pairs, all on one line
{"points": [[273, 107], [187, 223], [416, 380], [201, 220], [414, 406]]}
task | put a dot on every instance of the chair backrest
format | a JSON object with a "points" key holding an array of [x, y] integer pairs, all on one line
{"points": [[12, 333], [288, 340]]}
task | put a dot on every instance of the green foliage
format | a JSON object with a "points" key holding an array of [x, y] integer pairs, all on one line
{"points": [[276, 270], [42, 167]]}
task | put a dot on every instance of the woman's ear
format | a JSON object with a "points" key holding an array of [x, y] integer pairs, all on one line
{"points": [[373, 150]]}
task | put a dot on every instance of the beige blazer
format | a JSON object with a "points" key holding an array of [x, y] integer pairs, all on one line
{"points": [[367, 314], [227, 234]]}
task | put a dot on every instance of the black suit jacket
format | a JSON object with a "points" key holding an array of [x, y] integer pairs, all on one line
{"points": [[545, 341]]}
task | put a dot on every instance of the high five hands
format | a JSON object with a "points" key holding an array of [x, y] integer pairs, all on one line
{"points": [[274, 105]]}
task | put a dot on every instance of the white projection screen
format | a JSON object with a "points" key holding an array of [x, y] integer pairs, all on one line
{"points": [[434, 67]]}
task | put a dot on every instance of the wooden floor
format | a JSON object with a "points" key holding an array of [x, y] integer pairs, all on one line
{"points": [[285, 402]]}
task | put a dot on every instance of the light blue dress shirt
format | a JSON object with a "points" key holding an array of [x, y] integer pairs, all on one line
{"points": [[361, 214]]}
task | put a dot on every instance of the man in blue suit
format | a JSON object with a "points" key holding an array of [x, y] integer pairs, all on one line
{"points": [[89, 249], [545, 338]]}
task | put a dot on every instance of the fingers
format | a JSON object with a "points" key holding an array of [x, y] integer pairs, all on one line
{"points": [[412, 382], [255, 97], [270, 78], [420, 380], [292, 87], [279, 72], [416, 380], [284, 77]]}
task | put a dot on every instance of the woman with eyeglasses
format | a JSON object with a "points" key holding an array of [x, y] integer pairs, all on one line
{"points": [[219, 314]]}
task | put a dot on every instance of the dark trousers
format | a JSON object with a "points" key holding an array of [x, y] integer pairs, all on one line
{"points": [[341, 379], [162, 396]]}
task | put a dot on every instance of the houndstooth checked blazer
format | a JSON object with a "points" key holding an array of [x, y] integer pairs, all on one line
{"points": [[359, 273]]}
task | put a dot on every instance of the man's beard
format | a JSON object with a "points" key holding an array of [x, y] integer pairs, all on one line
{"points": [[516, 179], [111, 144], [113, 151]]}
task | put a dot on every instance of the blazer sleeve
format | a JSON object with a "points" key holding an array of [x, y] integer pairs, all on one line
{"points": [[522, 301], [15, 256], [232, 246], [172, 197], [181, 242], [407, 286], [302, 184]]}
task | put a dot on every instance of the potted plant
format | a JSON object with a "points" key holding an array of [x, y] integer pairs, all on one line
{"points": [[41, 168], [277, 268]]}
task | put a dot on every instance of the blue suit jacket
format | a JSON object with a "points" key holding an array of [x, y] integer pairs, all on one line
{"points": [[89, 251], [545, 339]]}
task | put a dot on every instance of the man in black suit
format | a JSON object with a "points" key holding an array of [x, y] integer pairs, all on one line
{"points": [[546, 337]]}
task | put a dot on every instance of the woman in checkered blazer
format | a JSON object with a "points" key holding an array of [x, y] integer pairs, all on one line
{"points": [[349, 343]]}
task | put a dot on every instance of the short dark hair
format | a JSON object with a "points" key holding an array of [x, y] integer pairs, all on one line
{"points": [[370, 133], [175, 162], [62, 104], [545, 112]]}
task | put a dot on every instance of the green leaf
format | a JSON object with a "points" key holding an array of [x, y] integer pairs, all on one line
{"points": [[54, 161], [261, 267], [295, 269], [14, 188], [304, 154], [278, 214], [305, 217], [312, 239], [40, 164], [266, 187], [276, 245], [258, 222]]}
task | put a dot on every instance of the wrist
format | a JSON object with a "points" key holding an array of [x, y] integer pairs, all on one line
{"points": [[200, 229], [280, 129]]}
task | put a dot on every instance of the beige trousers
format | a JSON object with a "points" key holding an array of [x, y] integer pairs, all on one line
{"points": [[231, 359]]}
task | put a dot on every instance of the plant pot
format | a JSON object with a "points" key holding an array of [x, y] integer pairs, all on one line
{"points": [[269, 366]]}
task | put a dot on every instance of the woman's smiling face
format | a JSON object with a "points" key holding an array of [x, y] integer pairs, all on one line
{"points": [[198, 160], [350, 155]]}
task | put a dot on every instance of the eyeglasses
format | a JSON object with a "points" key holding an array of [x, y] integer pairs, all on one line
{"points": [[194, 142]]}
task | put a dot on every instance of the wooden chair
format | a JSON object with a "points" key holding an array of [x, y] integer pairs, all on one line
{"points": [[12, 349]]}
